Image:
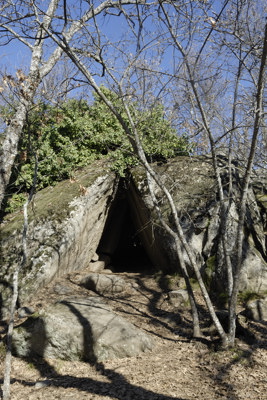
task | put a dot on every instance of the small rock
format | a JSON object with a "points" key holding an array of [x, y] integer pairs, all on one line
{"points": [[42, 384], [257, 310], [61, 289], [103, 283], [106, 258], [178, 297], [108, 271], [95, 257], [97, 266], [24, 312]]}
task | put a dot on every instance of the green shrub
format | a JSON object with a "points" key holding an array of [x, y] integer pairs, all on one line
{"points": [[248, 295], [59, 140], [15, 202]]}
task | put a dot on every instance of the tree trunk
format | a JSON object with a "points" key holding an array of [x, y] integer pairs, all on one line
{"points": [[180, 256], [10, 143], [247, 177], [8, 359]]}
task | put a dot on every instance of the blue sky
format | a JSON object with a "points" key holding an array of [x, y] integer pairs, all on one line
{"points": [[15, 55]]}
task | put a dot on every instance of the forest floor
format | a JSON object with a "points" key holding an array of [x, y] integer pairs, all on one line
{"points": [[178, 367]]}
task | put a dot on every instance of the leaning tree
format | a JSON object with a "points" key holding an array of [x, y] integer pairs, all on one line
{"points": [[216, 81], [27, 23], [204, 60]]}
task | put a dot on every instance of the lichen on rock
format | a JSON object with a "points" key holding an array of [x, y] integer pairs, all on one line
{"points": [[65, 227]]}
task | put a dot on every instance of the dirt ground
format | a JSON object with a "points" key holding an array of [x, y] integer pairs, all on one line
{"points": [[178, 368]]}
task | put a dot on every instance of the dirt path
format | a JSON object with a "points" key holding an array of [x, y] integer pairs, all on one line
{"points": [[176, 369]]}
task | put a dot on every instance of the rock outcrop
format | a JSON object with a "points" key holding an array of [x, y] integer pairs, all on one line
{"points": [[66, 223], [193, 186], [103, 284], [73, 221], [79, 329]]}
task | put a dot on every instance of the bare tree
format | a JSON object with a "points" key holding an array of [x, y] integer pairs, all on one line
{"points": [[196, 36], [27, 84], [243, 63], [27, 23], [195, 47], [15, 285]]}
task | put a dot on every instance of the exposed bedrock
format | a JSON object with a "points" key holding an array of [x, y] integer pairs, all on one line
{"points": [[96, 222]]}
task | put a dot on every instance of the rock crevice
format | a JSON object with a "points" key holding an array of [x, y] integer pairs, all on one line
{"points": [[96, 222]]}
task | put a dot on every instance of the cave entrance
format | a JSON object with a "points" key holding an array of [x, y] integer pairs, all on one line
{"points": [[121, 240]]}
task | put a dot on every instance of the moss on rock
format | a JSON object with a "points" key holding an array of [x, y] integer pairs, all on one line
{"points": [[65, 225], [53, 202]]}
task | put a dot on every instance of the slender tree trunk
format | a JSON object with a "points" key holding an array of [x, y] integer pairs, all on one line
{"points": [[224, 209], [193, 304], [27, 93], [12, 136], [180, 256], [8, 359], [149, 170], [246, 182]]}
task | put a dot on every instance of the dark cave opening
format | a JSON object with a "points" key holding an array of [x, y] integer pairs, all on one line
{"points": [[121, 240], [130, 255]]}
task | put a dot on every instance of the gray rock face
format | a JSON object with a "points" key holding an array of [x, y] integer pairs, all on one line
{"points": [[80, 328], [257, 310], [193, 187], [64, 231], [67, 222]]}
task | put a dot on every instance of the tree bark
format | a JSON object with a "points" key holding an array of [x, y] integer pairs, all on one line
{"points": [[39, 68], [27, 93], [245, 186], [8, 358]]}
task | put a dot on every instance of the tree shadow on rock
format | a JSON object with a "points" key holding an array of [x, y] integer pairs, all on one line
{"points": [[37, 341], [88, 350], [155, 318]]}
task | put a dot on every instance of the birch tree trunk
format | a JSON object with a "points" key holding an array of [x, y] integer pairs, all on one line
{"points": [[27, 93], [8, 358], [40, 66]]}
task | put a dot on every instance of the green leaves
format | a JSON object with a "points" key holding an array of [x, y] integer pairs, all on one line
{"points": [[67, 137]]}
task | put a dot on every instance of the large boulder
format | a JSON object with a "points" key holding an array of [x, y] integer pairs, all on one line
{"points": [[192, 183], [79, 328], [66, 223]]}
